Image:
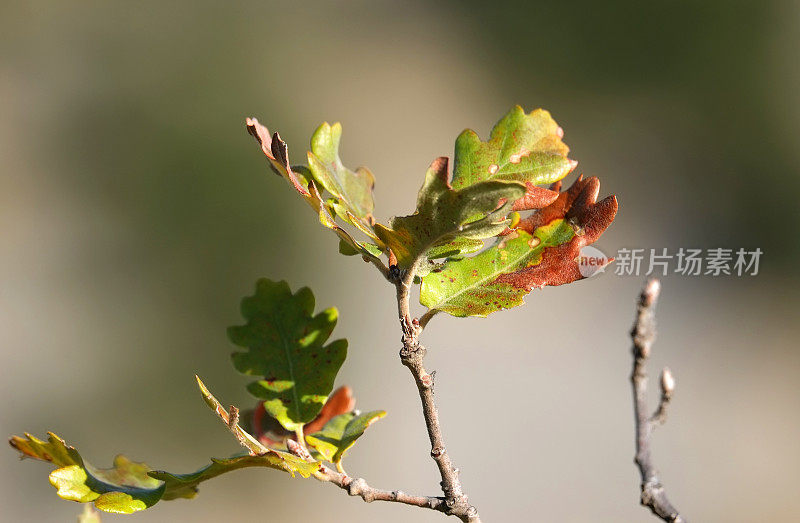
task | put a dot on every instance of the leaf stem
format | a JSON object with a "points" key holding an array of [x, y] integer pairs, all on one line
{"points": [[231, 419], [301, 438], [378, 263], [425, 318], [359, 487]]}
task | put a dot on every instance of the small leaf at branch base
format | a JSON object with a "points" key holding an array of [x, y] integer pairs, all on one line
{"points": [[272, 434], [285, 345], [341, 433]]}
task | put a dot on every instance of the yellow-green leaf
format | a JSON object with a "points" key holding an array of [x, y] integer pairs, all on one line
{"points": [[302, 179], [351, 190], [124, 488], [341, 433], [130, 486]]}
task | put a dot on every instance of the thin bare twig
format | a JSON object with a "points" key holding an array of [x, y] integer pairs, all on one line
{"points": [[359, 487], [643, 334], [412, 355]]}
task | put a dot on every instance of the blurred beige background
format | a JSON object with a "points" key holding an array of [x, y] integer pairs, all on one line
{"points": [[135, 212]]}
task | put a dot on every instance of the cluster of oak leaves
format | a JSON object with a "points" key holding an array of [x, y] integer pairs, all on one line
{"points": [[479, 240]]}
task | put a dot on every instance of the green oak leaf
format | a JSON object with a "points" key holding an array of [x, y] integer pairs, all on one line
{"points": [[521, 147], [351, 190], [129, 486], [469, 287], [286, 346], [446, 219], [341, 433]]}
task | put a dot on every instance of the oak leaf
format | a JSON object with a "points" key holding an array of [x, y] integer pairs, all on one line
{"points": [[286, 347], [542, 250], [302, 179], [351, 191], [527, 148], [129, 486], [272, 434], [341, 433], [448, 221]]}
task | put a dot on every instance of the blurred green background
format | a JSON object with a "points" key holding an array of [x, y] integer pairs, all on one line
{"points": [[135, 212]]}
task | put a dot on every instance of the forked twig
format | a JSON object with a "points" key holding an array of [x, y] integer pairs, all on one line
{"points": [[643, 334]]}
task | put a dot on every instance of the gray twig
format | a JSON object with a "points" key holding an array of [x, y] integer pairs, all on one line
{"points": [[412, 355], [454, 502], [359, 487], [643, 334]]}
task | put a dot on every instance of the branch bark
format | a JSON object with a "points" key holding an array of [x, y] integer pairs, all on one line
{"points": [[643, 334], [454, 502], [359, 487], [412, 355]]}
